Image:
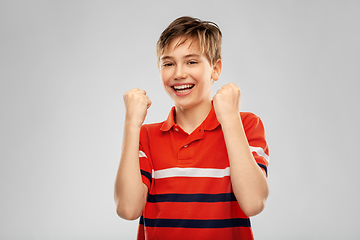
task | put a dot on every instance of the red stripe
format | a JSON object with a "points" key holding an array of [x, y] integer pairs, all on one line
{"points": [[195, 210], [243, 233]]}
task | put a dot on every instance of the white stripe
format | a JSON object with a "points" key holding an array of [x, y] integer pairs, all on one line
{"points": [[259, 151], [142, 154], [191, 172]]}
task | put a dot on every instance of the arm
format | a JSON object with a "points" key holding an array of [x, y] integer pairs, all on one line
{"points": [[248, 180], [130, 192]]}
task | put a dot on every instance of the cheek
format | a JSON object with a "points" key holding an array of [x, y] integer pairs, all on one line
{"points": [[162, 80], [164, 76], [203, 76]]}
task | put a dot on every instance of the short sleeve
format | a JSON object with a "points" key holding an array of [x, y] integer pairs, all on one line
{"points": [[144, 157], [255, 133]]}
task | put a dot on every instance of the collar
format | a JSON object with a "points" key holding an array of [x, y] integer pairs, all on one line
{"points": [[210, 123]]}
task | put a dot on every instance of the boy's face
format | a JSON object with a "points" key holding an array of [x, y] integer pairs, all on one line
{"points": [[186, 73]]}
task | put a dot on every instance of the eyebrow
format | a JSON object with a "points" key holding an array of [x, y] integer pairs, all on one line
{"points": [[186, 56], [192, 55]]}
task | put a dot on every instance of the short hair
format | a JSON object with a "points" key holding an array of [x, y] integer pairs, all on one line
{"points": [[207, 33]]}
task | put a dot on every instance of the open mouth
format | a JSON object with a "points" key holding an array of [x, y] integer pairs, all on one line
{"points": [[183, 88]]}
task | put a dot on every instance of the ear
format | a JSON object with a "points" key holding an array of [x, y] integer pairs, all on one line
{"points": [[216, 70]]}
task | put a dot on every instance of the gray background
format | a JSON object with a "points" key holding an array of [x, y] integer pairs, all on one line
{"points": [[64, 66]]}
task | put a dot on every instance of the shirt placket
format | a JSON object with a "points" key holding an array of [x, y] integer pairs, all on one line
{"points": [[187, 145]]}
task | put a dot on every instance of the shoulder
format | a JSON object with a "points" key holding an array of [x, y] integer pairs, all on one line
{"points": [[153, 125], [151, 128], [249, 117], [149, 131], [251, 121]]}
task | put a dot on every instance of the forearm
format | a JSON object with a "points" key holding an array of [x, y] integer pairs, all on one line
{"points": [[130, 191], [248, 180]]}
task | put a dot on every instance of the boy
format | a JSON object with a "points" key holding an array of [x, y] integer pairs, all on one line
{"points": [[201, 173]]}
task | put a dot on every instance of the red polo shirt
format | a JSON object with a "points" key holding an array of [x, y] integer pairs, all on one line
{"points": [[188, 177]]}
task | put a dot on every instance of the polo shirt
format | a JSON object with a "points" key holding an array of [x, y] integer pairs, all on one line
{"points": [[188, 177]]}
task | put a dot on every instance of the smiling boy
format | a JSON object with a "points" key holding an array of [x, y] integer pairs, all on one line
{"points": [[201, 173]]}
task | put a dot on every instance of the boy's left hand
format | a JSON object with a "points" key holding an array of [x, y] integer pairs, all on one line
{"points": [[227, 102]]}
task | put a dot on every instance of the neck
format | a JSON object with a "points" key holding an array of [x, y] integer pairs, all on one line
{"points": [[190, 119]]}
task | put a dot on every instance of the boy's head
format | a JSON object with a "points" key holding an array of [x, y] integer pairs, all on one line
{"points": [[189, 61], [206, 33]]}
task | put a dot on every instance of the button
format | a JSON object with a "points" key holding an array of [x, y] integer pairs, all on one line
{"points": [[186, 145], [176, 129]]}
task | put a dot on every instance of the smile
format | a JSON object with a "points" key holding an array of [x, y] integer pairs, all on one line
{"points": [[183, 88]]}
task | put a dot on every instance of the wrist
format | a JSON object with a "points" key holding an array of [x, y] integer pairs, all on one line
{"points": [[230, 119], [132, 125]]}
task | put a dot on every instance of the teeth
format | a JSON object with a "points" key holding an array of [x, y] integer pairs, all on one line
{"points": [[179, 87], [182, 91]]}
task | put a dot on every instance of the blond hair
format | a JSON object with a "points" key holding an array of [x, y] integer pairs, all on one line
{"points": [[207, 33]]}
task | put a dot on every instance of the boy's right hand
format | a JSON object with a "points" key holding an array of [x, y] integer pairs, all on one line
{"points": [[136, 104]]}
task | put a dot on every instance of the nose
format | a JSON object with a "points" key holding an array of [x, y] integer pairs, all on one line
{"points": [[179, 73]]}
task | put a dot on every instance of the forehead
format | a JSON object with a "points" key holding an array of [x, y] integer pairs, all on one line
{"points": [[184, 43]]}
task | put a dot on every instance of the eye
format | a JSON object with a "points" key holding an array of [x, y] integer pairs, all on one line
{"points": [[168, 64], [192, 62]]}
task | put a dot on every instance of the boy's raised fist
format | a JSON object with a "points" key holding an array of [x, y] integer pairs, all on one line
{"points": [[227, 102], [136, 104]]}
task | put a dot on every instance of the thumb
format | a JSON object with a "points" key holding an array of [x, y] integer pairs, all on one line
{"points": [[149, 104]]}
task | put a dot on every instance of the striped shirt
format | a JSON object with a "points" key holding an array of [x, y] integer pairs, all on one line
{"points": [[188, 177]]}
